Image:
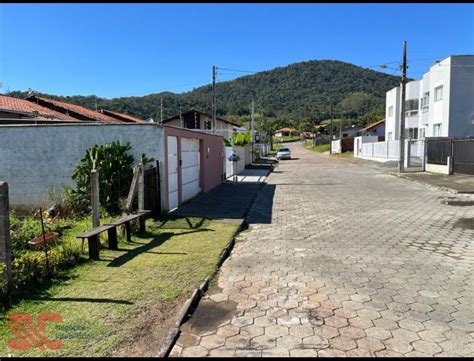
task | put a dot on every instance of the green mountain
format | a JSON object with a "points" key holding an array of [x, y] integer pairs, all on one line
{"points": [[288, 94]]}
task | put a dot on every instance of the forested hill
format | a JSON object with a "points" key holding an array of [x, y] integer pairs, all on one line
{"points": [[291, 93]]}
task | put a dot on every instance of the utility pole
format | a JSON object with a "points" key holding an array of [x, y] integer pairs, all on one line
{"points": [[401, 164], [214, 98], [161, 111], [252, 109], [340, 128], [331, 130]]}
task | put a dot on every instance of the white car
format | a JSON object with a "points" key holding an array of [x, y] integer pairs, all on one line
{"points": [[283, 153]]}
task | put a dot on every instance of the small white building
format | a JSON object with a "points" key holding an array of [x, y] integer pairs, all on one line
{"points": [[441, 104], [200, 121]]}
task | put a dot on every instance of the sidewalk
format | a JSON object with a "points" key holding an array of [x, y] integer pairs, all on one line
{"points": [[456, 183], [251, 175], [229, 199]]}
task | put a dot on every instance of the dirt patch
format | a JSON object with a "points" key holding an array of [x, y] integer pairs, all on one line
{"points": [[466, 223], [208, 316], [148, 330]]}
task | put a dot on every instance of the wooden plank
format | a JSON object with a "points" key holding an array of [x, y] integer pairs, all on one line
{"points": [[95, 231], [133, 188]]}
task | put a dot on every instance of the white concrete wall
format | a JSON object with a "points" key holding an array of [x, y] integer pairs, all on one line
{"points": [[336, 146], [37, 158], [437, 168], [392, 124], [240, 151]]}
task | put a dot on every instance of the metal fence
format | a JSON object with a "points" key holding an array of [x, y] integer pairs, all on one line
{"points": [[463, 155], [438, 150]]}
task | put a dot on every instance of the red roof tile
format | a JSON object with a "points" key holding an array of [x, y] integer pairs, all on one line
{"points": [[73, 108], [21, 105], [285, 130], [121, 116]]}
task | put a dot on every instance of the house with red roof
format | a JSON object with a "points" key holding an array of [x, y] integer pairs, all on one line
{"points": [[14, 109], [45, 110]]}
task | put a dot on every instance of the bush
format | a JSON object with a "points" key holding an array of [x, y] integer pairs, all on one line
{"points": [[29, 269], [22, 229], [115, 176], [238, 139]]}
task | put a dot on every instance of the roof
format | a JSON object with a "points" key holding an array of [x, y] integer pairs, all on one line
{"points": [[73, 108], [373, 125], [285, 130], [203, 113], [23, 106], [121, 116]]}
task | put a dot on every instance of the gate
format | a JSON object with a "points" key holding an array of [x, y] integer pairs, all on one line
{"points": [[438, 150], [463, 155], [151, 178]]}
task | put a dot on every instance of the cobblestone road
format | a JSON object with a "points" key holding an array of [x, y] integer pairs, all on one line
{"points": [[354, 262]]}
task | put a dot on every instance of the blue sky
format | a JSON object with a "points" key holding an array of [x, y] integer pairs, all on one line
{"points": [[116, 50]]}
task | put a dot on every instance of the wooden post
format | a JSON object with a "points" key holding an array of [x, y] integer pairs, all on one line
{"points": [[95, 198], [133, 189], [141, 188], [5, 242]]}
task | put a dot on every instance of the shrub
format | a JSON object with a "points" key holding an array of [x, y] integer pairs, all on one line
{"points": [[29, 269], [238, 139], [115, 176], [22, 229]]}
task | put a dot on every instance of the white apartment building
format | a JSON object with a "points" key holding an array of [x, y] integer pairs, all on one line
{"points": [[439, 105]]}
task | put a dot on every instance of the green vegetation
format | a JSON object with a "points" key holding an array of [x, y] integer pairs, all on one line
{"points": [[114, 164], [290, 138], [319, 148], [99, 301], [29, 270], [239, 139], [290, 95]]}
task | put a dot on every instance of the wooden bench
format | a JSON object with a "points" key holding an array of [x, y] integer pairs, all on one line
{"points": [[128, 218], [111, 228]]}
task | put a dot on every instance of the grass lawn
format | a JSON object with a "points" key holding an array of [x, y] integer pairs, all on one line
{"points": [[290, 138], [319, 148], [105, 305], [274, 150], [343, 155]]}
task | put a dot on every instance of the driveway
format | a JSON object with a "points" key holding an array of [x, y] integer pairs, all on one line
{"points": [[341, 259]]}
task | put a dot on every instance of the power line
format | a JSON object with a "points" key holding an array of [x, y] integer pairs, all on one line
{"points": [[237, 70]]}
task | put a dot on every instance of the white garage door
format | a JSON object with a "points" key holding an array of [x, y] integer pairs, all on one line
{"points": [[190, 162], [172, 172]]}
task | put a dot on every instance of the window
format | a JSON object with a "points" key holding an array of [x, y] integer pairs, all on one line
{"points": [[422, 133], [437, 130], [438, 93], [208, 124], [411, 104], [411, 133], [390, 111], [425, 101]]}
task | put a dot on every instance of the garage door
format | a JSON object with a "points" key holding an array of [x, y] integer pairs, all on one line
{"points": [[190, 160], [172, 172]]}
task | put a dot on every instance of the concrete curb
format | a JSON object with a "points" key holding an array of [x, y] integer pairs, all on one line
{"points": [[191, 304], [445, 189]]}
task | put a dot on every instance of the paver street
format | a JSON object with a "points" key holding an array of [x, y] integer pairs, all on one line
{"points": [[354, 262]]}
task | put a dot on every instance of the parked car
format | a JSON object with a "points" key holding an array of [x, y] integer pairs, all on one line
{"points": [[283, 153]]}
